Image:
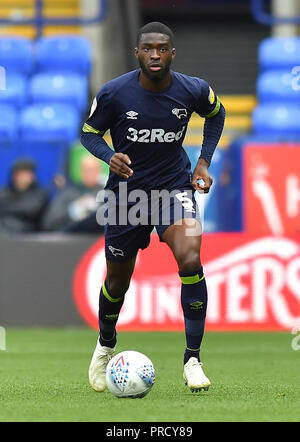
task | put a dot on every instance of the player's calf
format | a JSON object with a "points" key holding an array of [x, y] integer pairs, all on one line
{"points": [[194, 305]]}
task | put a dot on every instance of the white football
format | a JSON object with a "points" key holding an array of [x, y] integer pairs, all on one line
{"points": [[130, 374]]}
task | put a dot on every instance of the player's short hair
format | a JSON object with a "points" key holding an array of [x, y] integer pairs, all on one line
{"points": [[155, 27]]}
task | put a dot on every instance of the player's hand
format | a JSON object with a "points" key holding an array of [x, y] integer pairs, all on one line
{"points": [[119, 163], [201, 173]]}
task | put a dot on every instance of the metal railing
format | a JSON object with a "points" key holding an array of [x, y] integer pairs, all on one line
{"points": [[263, 17], [40, 21]]}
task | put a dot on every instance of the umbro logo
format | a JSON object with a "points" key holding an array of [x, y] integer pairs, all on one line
{"points": [[132, 115], [197, 305], [180, 113]]}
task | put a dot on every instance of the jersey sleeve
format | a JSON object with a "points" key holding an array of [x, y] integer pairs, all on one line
{"points": [[98, 122], [100, 117], [209, 107], [207, 102]]}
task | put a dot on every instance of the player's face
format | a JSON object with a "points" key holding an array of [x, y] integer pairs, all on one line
{"points": [[155, 55]]}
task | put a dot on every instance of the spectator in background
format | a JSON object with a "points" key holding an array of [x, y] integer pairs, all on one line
{"points": [[74, 209], [23, 201]]}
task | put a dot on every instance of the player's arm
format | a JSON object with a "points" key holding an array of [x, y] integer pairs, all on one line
{"points": [[92, 134], [209, 107]]}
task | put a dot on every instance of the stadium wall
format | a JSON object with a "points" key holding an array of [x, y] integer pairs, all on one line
{"points": [[54, 280], [36, 279]]}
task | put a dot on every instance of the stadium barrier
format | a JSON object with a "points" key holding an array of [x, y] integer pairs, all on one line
{"points": [[261, 184], [35, 279], [271, 188], [253, 283]]}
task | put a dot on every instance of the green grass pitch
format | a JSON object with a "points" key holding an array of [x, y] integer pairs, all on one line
{"points": [[255, 377]]}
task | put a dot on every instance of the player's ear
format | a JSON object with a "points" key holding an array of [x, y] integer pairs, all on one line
{"points": [[173, 52], [136, 52]]}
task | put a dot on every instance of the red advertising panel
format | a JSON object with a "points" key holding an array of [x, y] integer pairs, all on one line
{"points": [[271, 195], [253, 284]]}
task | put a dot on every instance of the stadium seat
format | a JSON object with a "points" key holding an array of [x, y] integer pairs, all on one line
{"points": [[66, 87], [277, 85], [279, 53], [277, 118], [49, 157], [49, 121], [64, 53], [8, 123], [15, 92], [16, 55]]}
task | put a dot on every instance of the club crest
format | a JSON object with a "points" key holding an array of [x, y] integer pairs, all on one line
{"points": [[180, 113]]}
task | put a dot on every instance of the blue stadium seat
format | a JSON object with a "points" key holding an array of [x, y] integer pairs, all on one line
{"points": [[15, 92], [16, 55], [277, 85], [8, 123], [65, 87], [49, 157], [279, 52], [49, 121], [277, 118], [64, 53]]}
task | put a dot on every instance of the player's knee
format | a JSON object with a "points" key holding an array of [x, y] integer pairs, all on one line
{"points": [[189, 261], [117, 286]]}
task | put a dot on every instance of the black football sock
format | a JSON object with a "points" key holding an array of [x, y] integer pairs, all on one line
{"points": [[109, 309], [194, 305]]}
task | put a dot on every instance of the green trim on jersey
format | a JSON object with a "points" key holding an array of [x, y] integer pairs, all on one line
{"points": [[216, 109], [89, 129]]}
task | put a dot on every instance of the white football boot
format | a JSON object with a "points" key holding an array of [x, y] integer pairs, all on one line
{"points": [[97, 371], [194, 376]]}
